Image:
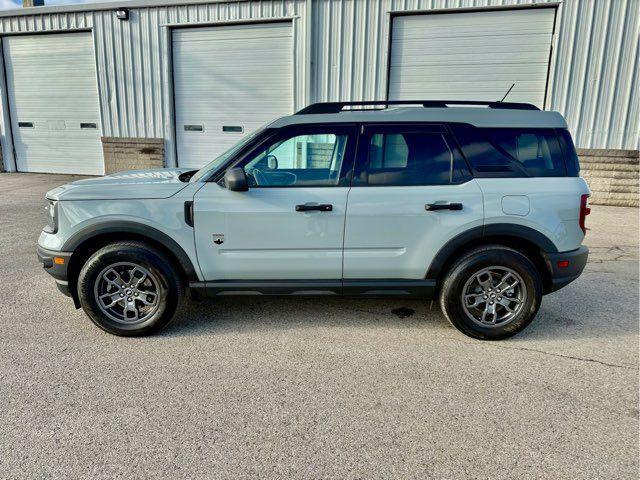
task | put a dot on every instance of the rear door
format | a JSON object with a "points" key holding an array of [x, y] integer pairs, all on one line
{"points": [[411, 194], [289, 225]]}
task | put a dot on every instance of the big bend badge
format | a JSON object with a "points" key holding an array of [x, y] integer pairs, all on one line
{"points": [[218, 238]]}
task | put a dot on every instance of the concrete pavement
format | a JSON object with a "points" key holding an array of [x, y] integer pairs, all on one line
{"points": [[317, 388]]}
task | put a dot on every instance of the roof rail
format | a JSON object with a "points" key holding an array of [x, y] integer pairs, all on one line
{"points": [[337, 107]]}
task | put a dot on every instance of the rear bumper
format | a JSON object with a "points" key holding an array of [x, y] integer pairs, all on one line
{"points": [[562, 276], [57, 269]]}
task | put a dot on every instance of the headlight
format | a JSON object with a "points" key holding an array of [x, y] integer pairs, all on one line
{"points": [[51, 214]]}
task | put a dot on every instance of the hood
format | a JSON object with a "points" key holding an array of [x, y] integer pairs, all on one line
{"points": [[158, 183]]}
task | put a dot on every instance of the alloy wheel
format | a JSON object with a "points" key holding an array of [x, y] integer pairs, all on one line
{"points": [[494, 296], [127, 293]]}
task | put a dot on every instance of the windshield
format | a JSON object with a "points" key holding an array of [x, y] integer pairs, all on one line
{"points": [[221, 159]]}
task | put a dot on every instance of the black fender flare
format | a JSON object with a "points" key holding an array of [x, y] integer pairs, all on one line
{"points": [[123, 226], [484, 231]]}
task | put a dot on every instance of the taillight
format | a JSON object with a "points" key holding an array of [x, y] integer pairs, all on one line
{"points": [[584, 211]]}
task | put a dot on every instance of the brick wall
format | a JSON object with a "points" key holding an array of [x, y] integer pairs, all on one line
{"points": [[123, 153], [612, 176]]}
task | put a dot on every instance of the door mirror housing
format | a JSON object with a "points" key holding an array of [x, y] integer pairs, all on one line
{"points": [[236, 180]]}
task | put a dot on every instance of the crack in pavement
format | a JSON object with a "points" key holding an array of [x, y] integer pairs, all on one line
{"points": [[618, 251], [570, 357], [526, 349]]}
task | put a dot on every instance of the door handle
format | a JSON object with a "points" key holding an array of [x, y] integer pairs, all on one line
{"points": [[307, 207], [442, 206]]}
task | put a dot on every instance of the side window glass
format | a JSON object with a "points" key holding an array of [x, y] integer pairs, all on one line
{"points": [[571, 156], [301, 160], [411, 158], [483, 156], [511, 152], [388, 151], [536, 150]]}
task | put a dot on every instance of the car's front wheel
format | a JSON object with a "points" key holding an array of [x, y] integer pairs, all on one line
{"points": [[129, 289], [491, 293]]}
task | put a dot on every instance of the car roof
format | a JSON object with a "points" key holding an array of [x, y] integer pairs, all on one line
{"points": [[477, 116]]}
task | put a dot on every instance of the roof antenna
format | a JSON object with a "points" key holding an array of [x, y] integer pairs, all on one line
{"points": [[508, 91]]}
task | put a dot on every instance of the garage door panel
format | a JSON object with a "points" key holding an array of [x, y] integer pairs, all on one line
{"points": [[472, 55], [487, 22], [238, 32], [468, 58], [257, 56], [52, 89], [485, 93], [238, 75], [461, 45], [416, 76], [444, 33]]}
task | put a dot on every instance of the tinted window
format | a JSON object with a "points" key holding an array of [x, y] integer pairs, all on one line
{"points": [[300, 160], [410, 158], [571, 156], [510, 152], [537, 150]]}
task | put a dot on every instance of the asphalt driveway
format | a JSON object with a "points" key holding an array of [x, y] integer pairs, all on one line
{"points": [[317, 388]]}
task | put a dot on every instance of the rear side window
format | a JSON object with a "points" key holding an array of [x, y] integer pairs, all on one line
{"points": [[512, 152], [537, 150], [571, 156], [411, 157]]}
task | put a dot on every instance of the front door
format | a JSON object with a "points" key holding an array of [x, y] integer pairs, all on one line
{"points": [[411, 194], [290, 224]]}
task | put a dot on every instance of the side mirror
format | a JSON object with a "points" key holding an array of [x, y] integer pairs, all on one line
{"points": [[272, 162], [236, 180]]}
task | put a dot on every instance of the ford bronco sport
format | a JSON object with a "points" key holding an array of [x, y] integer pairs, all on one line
{"points": [[477, 204]]}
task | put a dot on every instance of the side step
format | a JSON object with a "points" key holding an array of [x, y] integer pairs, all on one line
{"points": [[367, 287]]}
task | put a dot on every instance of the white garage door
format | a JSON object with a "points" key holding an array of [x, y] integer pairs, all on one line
{"points": [[472, 55], [228, 81], [53, 98]]}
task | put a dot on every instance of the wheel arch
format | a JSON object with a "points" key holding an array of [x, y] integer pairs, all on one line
{"points": [[86, 242], [524, 239]]}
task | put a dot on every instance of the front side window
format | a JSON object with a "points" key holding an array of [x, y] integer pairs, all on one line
{"points": [[304, 160], [409, 158], [219, 161]]}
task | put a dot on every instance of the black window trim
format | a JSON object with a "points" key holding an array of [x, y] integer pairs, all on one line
{"points": [[361, 131], [369, 128]]}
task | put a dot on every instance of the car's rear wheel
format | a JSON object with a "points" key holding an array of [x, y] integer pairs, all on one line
{"points": [[491, 293], [129, 288]]}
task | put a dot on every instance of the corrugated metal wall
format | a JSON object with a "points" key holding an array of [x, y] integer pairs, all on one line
{"points": [[133, 57], [341, 52], [594, 74], [595, 85]]}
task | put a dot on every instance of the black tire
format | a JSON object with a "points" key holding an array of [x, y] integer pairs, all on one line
{"points": [[465, 270], [162, 277]]}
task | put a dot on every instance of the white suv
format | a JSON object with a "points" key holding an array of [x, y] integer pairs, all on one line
{"points": [[478, 204]]}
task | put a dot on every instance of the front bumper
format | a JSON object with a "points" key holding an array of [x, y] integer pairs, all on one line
{"points": [[562, 275], [56, 264]]}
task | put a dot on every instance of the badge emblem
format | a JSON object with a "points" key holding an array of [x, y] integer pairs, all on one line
{"points": [[218, 238]]}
